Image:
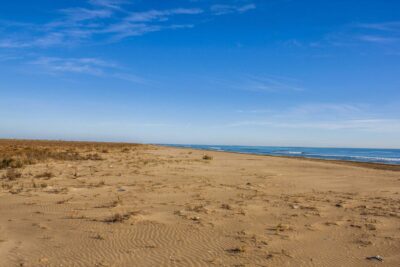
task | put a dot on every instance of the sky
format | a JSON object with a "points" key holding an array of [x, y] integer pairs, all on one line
{"points": [[238, 72]]}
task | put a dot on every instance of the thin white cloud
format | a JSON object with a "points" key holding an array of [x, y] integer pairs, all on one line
{"points": [[270, 84], [161, 15], [392, 26], [371, 125], [103, 21], [87, 66], [260, 83], [322, 116], [113, 4], [126, 29], [321, 108], [228, 9], [82, 14], [91, 66], [10, 43], [9, 57], [382, 34], [43, 41], [253, 111], [378, 39]]}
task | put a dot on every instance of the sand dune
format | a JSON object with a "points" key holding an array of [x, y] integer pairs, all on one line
{"points": [[94, 204]]}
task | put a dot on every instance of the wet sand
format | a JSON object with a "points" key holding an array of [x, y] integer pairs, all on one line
{"points": [[137, 205]]}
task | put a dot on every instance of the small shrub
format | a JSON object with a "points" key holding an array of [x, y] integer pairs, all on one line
{"points": [[9, 162], [207, 157], [226, 206], [117, 218], [98, 237], [99, 184], [237, 250], [46, 175], [12, 175], [94, 156]]}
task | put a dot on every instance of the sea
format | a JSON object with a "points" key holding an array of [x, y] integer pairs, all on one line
{"points": [[375, 155]]}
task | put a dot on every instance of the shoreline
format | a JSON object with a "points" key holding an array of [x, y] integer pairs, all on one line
{"points": [[370, 165]]}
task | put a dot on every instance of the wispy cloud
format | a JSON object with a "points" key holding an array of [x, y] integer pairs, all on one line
{"points": [[82, 14], [126, 29], [87, 66], [308, 111], [377, 39], [391, 26], [322, 108], [91, 66], [260, 83], [161, 15], [270, 84], [381, 35], [322, 116], [372, 125], [113, 4], [99, 22], [253, 111], [227, 9], [9, 57], [104, 21]]}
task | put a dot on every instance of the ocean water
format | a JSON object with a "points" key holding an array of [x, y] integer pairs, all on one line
{"points": [[386, 156]]}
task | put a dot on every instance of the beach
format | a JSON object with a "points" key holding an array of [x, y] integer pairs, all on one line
{"points": [[109, 204]]}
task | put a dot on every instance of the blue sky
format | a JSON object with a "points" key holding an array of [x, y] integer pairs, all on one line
{"points": [[249, 72]]}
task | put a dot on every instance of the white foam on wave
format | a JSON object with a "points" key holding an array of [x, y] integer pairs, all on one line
{"points": [[377, 158], [288, 152], [371, 158], [295, 152]]}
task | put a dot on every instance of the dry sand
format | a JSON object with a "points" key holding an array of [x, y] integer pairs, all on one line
{"points": [[160, 206]]}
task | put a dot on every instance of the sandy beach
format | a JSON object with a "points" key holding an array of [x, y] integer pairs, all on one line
{"points": [[102, 204]]}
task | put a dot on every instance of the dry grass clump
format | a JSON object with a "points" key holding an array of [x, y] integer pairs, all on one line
{"points": [[98, 184], [282, 228], [98, 237], [207, 157], [46, 175], [18, 156], [11, 175], [18, 153], [226, 207], [112, 204], [118, 218], [41, 185], [94, 156], [63, 201], [237, 250], [9, 162]]}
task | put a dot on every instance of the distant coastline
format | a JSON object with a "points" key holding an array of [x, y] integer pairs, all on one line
{"points": [[355, 155]]}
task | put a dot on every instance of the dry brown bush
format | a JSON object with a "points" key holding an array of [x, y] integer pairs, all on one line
{"points": [[46, 175], [118, 218], [207, 157], [18, 153], [11, 175]]}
